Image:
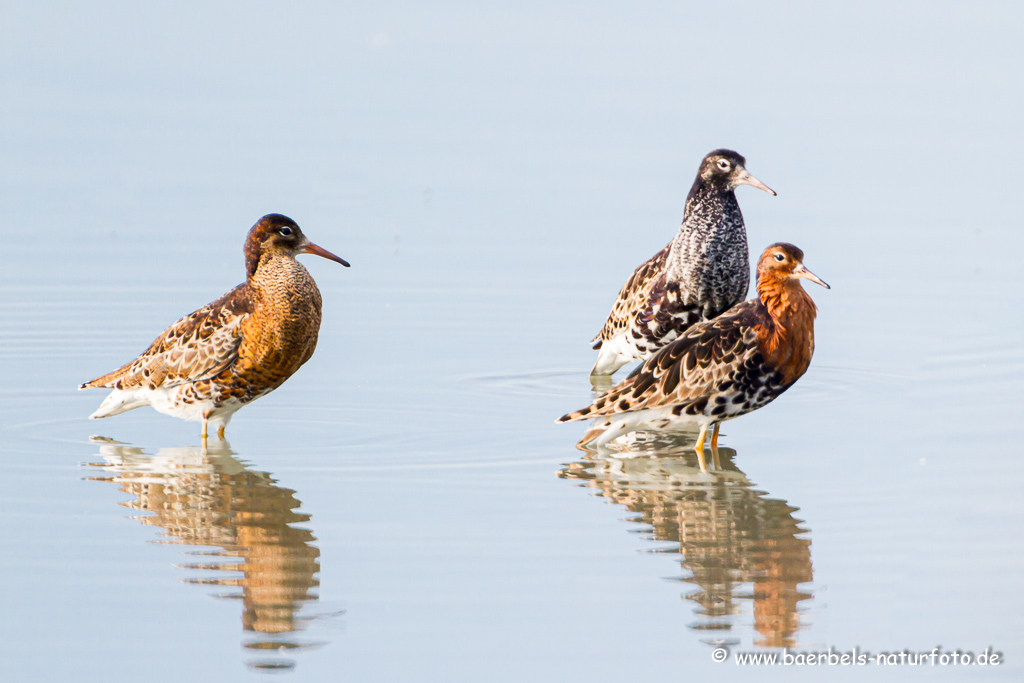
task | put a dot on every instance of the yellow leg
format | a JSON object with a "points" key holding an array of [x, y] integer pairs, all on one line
{"points": [[699, 447], [220, 432], [714, 448], [204, 431]]}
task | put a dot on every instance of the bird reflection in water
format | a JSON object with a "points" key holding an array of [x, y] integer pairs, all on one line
{"points": [[205, 497], [732, 537]]}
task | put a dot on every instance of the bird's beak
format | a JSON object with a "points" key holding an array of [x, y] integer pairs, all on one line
{"points": [[744, 178], [310, 248], [801, 272]]}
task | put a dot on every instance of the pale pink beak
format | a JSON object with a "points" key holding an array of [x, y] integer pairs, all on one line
{"points": [[744, 178], [801, 272], [310, 248]]}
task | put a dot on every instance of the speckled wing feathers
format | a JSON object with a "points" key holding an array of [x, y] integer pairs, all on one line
{"points": [[197, 347], [689, 370], [634, 296], [702, 273]]}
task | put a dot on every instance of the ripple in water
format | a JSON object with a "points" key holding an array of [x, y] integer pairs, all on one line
{"points": [[824, 383], [559, 382]]}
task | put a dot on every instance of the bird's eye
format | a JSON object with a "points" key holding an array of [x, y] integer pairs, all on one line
{"points": [[286, 231], [780, 257], [723, 164]]}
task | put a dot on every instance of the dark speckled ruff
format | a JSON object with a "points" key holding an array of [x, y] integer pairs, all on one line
{"points": [[703, 272]]}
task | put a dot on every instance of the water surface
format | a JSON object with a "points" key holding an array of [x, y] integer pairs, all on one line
{"points": [[404, 507]]}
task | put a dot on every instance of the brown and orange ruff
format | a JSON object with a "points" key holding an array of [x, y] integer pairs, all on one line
{"points": [[243, 345], [786, 338]]}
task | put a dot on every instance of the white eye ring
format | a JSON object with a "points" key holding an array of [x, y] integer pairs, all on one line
{"points": [[780, 257], [286, 231], [723, 164]]}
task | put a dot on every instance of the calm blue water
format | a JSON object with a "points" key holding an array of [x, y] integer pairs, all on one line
{"points": [[404, 507]]}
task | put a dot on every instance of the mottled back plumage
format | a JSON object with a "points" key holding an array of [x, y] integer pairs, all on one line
{"points": [[723, 368], [235, 349], [698, 276], [198, 346], [710, 357]]}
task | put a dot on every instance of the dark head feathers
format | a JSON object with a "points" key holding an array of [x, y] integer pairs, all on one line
{"points": [[706, 171], [721, 172], [266, 227], [735, 157]]}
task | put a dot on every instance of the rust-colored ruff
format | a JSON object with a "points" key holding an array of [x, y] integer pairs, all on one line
{"points": [[786, 338]]}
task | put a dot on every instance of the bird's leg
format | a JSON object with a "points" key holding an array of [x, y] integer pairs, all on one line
{"points": [[714, 448], [220, 432], [204, 429], [699, 447]]}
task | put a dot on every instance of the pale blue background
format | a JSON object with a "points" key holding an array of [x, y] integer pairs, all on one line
{"points": [[494, 173]]}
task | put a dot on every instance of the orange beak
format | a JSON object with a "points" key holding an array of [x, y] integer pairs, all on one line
{"points": [[310, 248]]}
